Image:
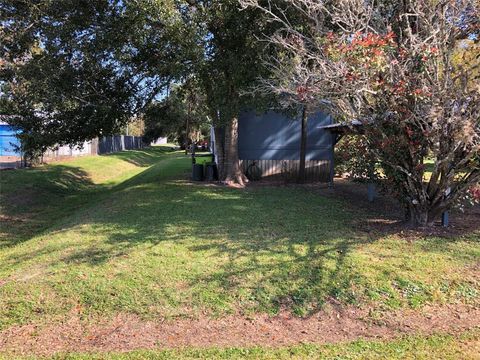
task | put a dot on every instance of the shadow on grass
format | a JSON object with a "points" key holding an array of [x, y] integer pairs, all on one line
{"points": [[32, 199], [263, 248], [214, 247], [385, 214]]}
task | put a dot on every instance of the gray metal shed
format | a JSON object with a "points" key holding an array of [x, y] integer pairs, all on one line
{"points": [[272, 141]]}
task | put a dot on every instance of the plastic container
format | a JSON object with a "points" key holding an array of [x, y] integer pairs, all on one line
{"points": [[197, 172], [211, 172]]}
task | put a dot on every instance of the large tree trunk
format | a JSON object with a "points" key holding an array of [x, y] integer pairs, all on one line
{"points": [[232, 173], [303, 146]]}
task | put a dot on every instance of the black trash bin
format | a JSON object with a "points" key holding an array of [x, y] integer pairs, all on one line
{"points": [[197, 172], [211, 172]]}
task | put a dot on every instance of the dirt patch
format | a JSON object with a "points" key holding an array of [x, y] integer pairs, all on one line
{"points": [[335, 324]]}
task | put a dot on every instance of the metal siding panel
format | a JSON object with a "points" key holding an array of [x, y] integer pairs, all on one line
{"points": [[273, 136]]}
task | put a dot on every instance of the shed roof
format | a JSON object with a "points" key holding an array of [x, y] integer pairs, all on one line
{"points": [[342, 127]]}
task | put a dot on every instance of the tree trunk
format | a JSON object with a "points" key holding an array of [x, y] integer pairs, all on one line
{"points": [[232, 173], [417, 217], [303, 146], [424, 215]]}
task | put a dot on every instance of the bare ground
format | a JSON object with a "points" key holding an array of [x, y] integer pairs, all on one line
{"points": [[334, 324]]}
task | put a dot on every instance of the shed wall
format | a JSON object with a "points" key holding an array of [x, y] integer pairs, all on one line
{"points": [[272, 141], [274, 136]]}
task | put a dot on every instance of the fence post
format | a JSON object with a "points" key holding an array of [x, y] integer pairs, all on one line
{"points": [[445, 219], [94, 148]]}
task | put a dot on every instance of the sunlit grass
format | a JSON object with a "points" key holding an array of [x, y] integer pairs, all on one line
{"points": [[143, 240], [33, 199]]}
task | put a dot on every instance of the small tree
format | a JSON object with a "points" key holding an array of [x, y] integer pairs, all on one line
{"points": [[392, 66]]}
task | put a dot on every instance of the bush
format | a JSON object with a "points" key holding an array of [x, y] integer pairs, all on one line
{"points": [[353, 158]]}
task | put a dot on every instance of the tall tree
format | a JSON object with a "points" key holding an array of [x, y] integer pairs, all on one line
{"points": [[228, 37], [391, 64], [74, 70]]}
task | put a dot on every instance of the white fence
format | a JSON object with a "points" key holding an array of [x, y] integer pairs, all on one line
{"points": [[105, 145], [87, 148]]}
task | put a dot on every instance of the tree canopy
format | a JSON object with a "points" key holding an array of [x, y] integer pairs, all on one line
{"points": [[74, 70], [180, 114], [409, 70]]}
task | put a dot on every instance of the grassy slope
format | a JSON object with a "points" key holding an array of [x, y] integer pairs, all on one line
{"points": [[124, 233], [34, 199]]}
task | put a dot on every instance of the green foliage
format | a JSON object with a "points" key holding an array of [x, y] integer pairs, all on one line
{"points": [[81, 69], [467, 58], [353, 157], [185, 104], [74, 70], [232, 59]]}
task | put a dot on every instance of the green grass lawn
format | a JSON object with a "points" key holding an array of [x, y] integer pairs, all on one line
{"points": [[128, 233]]}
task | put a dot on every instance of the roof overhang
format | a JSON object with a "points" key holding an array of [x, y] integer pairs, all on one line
{"points": [[354, 126]]}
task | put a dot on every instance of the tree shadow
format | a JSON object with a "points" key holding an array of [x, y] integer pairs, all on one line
{"points": [[34, 199], [266, 248], [385, 214], [30, 199], [262, 248]]}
